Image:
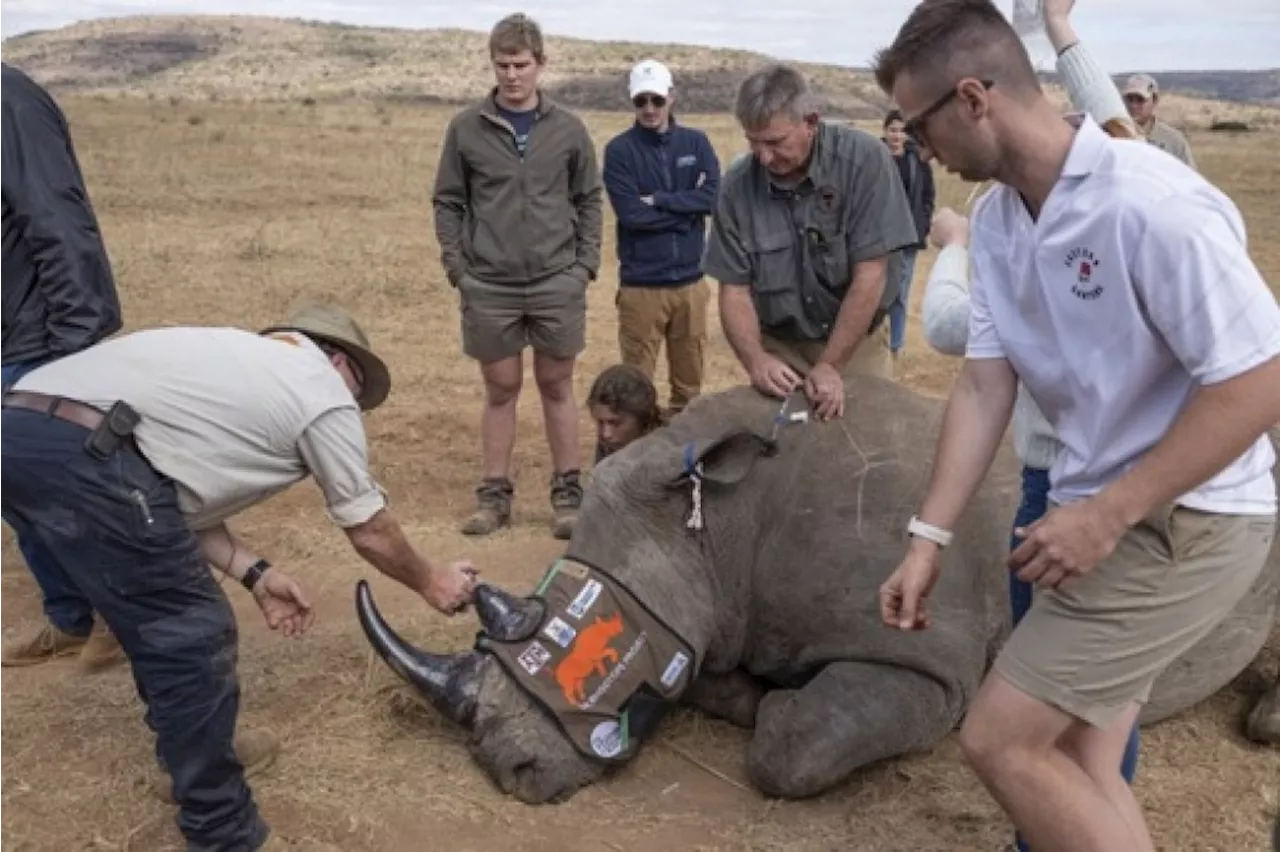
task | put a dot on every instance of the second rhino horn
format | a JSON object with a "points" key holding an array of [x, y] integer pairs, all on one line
{"points": [[506, 617]]}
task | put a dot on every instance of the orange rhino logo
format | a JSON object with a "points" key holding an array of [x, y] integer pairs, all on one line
{"points": [[589, 654]]}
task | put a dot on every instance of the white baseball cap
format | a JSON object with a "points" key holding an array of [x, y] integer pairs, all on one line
{"points": [[652, 77]]}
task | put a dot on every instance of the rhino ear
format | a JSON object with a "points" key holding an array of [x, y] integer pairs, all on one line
{"points": [[725, 460]]}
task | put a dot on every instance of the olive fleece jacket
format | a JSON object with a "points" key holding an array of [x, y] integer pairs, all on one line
{"points": [[507, 219]]}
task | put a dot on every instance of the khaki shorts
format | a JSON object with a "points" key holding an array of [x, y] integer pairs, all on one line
{"points": [[500, 320], [870, 358], [1097, 645]]}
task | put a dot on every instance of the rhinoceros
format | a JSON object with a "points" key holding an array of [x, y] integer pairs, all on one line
{"points": [[770, 569]]}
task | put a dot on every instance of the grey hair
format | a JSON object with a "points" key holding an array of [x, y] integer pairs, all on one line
{"points": [[774, 91]]}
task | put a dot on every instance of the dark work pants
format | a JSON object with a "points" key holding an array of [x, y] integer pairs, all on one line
{"points": [[64, 606], [118, 534]]}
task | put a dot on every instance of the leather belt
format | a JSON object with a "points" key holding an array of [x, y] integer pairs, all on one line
{"points": [[62, 408]]}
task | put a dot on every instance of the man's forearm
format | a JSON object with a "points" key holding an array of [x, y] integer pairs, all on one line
{"points": [[856, 311], [740, 322], [381, 542], [976, 417], [1218, 424], [225, 552]]}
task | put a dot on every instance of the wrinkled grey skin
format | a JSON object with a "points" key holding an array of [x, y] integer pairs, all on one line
{"points": [[779, 594]]}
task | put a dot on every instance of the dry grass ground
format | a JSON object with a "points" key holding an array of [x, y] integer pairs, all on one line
{"points": [[223, 213]]}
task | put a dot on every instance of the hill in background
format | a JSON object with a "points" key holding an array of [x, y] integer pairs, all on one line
{"points": [[260, 58]]}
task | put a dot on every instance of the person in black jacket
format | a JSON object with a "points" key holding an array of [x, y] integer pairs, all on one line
{"points": [[59, 297], [662, 179], [917, 180]]}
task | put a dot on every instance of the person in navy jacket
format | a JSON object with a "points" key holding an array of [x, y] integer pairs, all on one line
{"points": [[661, 178]]}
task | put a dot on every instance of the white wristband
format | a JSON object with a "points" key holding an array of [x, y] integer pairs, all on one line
{"points": [[929, 532]]}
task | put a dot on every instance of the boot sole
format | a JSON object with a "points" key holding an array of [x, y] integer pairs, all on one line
{"points": [[22, 662]]}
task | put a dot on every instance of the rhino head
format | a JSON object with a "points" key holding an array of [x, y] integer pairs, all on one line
{"points": [[512, 739], [632, 520]]}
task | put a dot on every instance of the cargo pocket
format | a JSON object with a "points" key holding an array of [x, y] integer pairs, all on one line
{"points": [[151, 548], [830, 261], [774, 288]]}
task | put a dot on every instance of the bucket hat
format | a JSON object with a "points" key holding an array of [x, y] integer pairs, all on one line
{"points": [[335, 326]]}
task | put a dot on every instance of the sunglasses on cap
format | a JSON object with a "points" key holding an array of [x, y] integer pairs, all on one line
{"points": [[642, 100]]}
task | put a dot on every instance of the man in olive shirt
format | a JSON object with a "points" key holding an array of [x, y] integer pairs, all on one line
{"points": [[801, 240], [519, 221]]}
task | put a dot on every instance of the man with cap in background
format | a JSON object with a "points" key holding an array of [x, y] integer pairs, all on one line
{"points": [[662, 178], [129, 458], [1141, 94]]}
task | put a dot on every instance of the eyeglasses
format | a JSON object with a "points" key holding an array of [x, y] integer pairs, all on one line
{"points": [[642, 100], [915, 126]]}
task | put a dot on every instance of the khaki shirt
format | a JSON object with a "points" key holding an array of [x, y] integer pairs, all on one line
{"points": [[230, 416], [507, 220], [1168, 138], [796, 249]]}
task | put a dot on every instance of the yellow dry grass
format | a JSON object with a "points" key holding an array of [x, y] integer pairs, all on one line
{"points": [[229, 213]]}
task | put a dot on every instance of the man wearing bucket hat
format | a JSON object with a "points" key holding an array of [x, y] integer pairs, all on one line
{"points": [[130, 457]]}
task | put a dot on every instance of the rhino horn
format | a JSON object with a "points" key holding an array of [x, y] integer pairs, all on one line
{"points": [[449, 682], [506, 617]]}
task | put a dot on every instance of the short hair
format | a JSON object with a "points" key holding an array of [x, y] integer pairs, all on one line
{"points": [[627, 390], [515, 33], [944, 40], [772, 91], [891, 116]]}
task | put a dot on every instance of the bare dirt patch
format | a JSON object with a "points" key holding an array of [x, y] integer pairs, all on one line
{"points": [[222, 213]]}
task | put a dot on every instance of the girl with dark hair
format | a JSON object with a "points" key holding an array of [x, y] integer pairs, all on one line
{"points": [[624, 404]]}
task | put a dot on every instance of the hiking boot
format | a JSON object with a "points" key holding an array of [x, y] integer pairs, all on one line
{"points": [[47, 644], [102, 651], [256, 750], [494, 511], [1263, 723], [566, 500]]}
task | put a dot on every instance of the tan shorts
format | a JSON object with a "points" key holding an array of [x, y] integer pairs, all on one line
{"points": [[1097, 645], [500, 320], [870, 358]]}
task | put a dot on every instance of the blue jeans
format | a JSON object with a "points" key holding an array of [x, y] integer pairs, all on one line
{"points": [[118, 534], [898, 310], [64, 606], [1035, 503]]}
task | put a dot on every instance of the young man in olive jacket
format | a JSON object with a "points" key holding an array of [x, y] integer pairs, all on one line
{"points": [[518, 218]]}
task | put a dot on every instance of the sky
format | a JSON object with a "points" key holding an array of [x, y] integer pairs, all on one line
{"points": [[1155, 35]]}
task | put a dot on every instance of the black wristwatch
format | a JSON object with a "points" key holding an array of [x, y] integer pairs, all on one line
{"points": [[255, 572]]}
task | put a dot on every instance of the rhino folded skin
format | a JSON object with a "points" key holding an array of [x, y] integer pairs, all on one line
{"points": [[449, 682]]}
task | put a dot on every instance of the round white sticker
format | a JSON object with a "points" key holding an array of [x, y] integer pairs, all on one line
{"points": [[606, 738]]}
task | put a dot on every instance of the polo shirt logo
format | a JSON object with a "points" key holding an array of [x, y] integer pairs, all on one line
{"points": [[1084, 263]]}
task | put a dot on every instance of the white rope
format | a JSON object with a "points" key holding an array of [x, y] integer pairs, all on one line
{"points": [[695, 516]]}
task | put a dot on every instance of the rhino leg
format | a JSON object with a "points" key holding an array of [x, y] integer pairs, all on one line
{"points": [[848, 716], [1263, 724], [732, 696]]}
